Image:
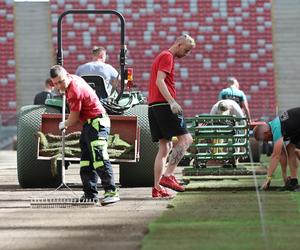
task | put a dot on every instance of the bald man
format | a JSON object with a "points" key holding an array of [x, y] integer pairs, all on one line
{"points": [[165, 117], [284, 131]]}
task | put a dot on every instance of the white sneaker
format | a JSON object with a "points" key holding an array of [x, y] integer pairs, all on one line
{"points": [[110, 197]]}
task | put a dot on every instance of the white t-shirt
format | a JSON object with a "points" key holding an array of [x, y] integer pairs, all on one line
{"points": [[233, 108]]}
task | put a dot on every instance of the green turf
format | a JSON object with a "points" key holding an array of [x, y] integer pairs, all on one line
{"points": [[228, 220], [236, 181]]}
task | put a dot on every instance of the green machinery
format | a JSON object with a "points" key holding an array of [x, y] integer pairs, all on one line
{"points": [[218, 141], [129, 119]]}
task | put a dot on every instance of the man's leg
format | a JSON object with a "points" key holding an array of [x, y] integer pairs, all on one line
{"points": [[168, 179], [292, 159], [283, 164], [100, 158], [111, 193], [88, 174], [160, 160], [292, 184], [297, 150], [184, 141], [89, 180], [106, 175]]}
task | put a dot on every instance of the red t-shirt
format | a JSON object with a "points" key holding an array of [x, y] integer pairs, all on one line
{"points": [[83, 99], [163, 62]]}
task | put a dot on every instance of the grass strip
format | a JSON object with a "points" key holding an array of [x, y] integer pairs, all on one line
{"points": [[226, 220]]}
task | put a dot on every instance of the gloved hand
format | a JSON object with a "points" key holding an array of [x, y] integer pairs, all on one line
{"points": [[110, 100], [175, 107], [62, 125], [266, 184]]}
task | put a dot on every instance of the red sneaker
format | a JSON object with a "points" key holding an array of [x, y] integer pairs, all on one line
{"points": [[174, 179], [163, 193], [169, 182]]}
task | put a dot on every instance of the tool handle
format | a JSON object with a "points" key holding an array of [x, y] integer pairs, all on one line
{"points": [[63, 132]]}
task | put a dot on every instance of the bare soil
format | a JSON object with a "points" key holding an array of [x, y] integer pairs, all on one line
{"points": [[118, 226]]}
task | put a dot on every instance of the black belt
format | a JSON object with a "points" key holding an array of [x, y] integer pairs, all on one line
{"points": [[154, 104], [90, 120]]}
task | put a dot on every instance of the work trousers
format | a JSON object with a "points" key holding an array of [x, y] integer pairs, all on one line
{"points": [[95, 161]]}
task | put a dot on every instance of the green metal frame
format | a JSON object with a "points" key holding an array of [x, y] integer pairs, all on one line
{"points": [[54, 102], [218, 137]]}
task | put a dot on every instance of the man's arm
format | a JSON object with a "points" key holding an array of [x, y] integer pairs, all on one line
{"points": [[114, 84], [245, 106], [275, 158], [160, 82], [72, 119], [114, 78]]}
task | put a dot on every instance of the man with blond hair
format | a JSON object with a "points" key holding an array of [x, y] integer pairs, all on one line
{"points": [[166, 118]]}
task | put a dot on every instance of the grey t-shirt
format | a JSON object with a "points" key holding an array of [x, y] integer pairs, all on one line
{"points": [[108, 72]]}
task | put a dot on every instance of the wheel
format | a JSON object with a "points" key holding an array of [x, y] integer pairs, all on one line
{"points": [[255, 149], [33, 173], [140, 174]]}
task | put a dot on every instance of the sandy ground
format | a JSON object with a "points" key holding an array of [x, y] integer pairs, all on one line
{"points": [[118, 226]]}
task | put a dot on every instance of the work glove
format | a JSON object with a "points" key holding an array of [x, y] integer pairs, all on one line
{"points": [[62, 126], [175, 107]]}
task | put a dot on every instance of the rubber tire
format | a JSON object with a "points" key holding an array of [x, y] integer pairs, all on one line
{"points": [[33, 173], [255, 149], [141, 173]]}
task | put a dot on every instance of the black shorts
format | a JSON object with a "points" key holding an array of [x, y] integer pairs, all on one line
{"points": [[163, 123], [295, 140]]}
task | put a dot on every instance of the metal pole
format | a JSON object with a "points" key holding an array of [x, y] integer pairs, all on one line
{"points": [[123, 50], [63, 132]]}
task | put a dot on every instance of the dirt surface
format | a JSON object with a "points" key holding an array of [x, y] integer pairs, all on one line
{"points": [[118, 226]]}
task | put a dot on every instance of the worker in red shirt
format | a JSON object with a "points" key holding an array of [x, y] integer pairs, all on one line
{"points": [[85, 106], [166, 118]]}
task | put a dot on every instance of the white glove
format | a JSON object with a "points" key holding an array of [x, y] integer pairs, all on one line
{"points": [[175, 107], [61, 125]]}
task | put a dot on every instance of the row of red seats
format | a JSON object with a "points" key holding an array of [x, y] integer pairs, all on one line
{"points": [[7, 56], [150, 28]]}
